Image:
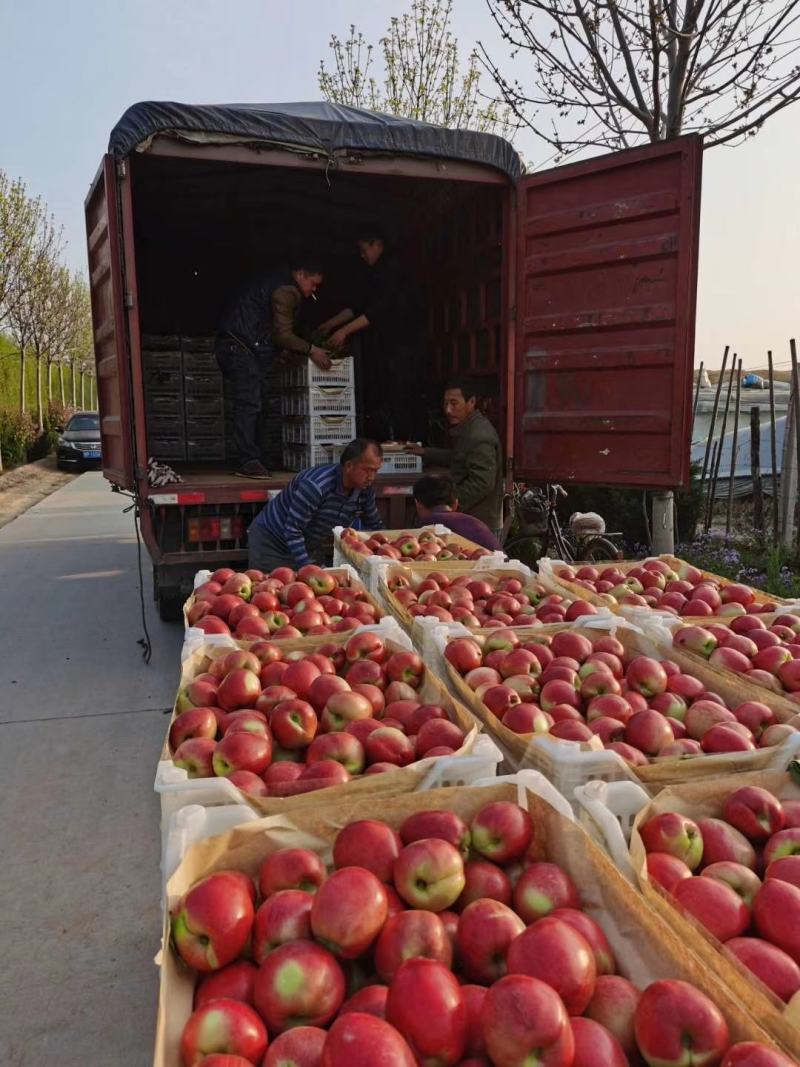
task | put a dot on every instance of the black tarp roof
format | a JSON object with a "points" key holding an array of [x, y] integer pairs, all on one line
{"points": [[317, 127]]}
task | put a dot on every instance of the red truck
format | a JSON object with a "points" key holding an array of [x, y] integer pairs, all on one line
{"points": [[570, 292]]}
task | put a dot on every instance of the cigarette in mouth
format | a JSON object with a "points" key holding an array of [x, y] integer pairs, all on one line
{"points": [[314, 297]]}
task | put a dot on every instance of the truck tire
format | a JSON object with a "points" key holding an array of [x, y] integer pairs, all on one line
{"points": [[170, 603]]}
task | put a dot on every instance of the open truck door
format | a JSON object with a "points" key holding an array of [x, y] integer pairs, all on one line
{"points": [[605, 311], [108, 324]]}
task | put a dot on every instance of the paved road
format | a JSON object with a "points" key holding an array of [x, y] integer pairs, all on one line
{"points": [[81, 726]]}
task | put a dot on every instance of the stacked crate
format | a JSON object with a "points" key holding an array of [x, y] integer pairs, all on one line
{"points": [[184, 403], [318, 413]]}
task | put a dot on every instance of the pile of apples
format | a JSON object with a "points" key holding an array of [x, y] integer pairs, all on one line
{"points": [[278, 725], [739, 876], [441, 945], [765, 653], [484, 600], [654, 584], [283, 603], [422, 545], [575, 688]]}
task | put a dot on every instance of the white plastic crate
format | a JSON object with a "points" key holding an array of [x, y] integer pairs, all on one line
{"points": [[298, 457], [309, 374], [196, 823], [401, 463], [319, 429], [332, 399]]}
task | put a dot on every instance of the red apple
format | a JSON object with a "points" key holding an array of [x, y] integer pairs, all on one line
{"points": [[234, 982], [646, 676], [211, 923], [368, 843], [667, 870], [484, 880], [753, 1054], [675, 834], [408, 935], [541, 889], [595, 1045], [674, 1021], [556, 953], [429, 874], [525, 1021], [348, 911], [714, 905], [485, 932], [786, 869], [298, 984], [435, 823], [770, 964], [501, 831], [291, 868], [776, 911], [426, 1006], [370, 999], [724, 842], [223, 1026], [300, 1047], [196, 722], [741, 879], [293, 724], [242, 752], [340, 747], [614, 1004], [755, 812], [649, 731], [358, 1039], [594, 935], [464, 654], [782, 843], [283, 917]]}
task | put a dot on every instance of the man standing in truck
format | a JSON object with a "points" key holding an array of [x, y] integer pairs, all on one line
{"points": [[259, 322], [475, 457], [295, 526]]}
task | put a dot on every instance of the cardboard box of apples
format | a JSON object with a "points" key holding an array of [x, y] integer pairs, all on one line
{"points": [[463, 926], [605, 685], [349, 713], [664, 583], [252, 606], [721, 861]]}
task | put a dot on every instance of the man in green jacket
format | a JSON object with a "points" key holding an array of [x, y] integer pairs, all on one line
{"points": [[475, 458]]}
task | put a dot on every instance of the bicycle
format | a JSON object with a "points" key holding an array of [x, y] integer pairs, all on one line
{"points": [[533, 513]]}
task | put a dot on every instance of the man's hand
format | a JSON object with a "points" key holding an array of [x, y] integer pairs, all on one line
{"points": [[339, 338], [320, 357], [414, 449]]}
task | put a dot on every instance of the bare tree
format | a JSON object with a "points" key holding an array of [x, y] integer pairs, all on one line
{"points": [[422, 76], [614, 73], [78, 349], [28, 238]]}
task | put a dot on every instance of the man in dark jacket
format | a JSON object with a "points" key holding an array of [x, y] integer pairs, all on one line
{"points": [[475, 457], [436, 501], [259, 322]]}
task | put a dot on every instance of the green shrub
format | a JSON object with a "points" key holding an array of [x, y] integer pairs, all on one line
{"points": [[17, 436]]}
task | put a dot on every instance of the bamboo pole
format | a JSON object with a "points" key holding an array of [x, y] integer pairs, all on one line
{"points": [[773, 451], [697, 391], [716, 465], [734, 442], [755, 472], [714, 417], [709, 498]]}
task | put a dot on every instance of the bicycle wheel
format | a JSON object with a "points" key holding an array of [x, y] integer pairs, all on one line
{"points": [[597, 549], [527, 550]]}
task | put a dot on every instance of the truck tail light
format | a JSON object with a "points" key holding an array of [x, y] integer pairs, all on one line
{"points": [[214, 528]]}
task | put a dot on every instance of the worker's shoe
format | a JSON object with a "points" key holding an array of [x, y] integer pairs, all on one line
{"points": [[253, 469]]}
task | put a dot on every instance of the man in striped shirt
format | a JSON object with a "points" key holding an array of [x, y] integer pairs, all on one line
{"points": [[294, 527]]}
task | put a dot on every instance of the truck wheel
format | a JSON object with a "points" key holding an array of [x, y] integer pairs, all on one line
{"points": [[170, 604]]}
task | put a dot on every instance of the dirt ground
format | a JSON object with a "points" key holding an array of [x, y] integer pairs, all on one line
{"points": [[22, 487]]}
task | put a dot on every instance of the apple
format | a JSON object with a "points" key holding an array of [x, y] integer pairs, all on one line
{"points": [[667, 870], [556, 953], [211, 923], [425, 1004], [408, 935], [770, 964], [632, 756], [649, 731], [405, 667], [485, 932], [248, 721], [348, 911], [273, 695], [755, 812], [783, 843], [675, 834], [343, 708], [724, 842], [741, 879], [249, 783], [594, 935], [429, 874], [234, 982], [298, 984], [753, 1054], [614, 1004], [596, 1045], [714, 905], [368, 843], [464, 654], [446, 825], [300, 1047], [646, 676], [340, 747], [786, 869], [238, 689], [776, 912], [388, 744], [293, 724], [196, 722], [223, 1026], [359, 1039], [323, 687], [291, 868], [200, 693], [541, 889], [474, 996], [675, 1023], [283, 917], [499, 698], [525, 1022], [365, 672], [727, 737], [527, 719], [242, 752], [484, 880], [323, 773], [437, 733], [755, 716], [501, 831], [370, 999], [373, 694]]}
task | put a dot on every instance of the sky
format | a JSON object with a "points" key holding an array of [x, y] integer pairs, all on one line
{"points": [[71, 68]]}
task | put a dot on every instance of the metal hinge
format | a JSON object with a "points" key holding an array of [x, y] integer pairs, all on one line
{"points": [[128, 299], [122, 170]]}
